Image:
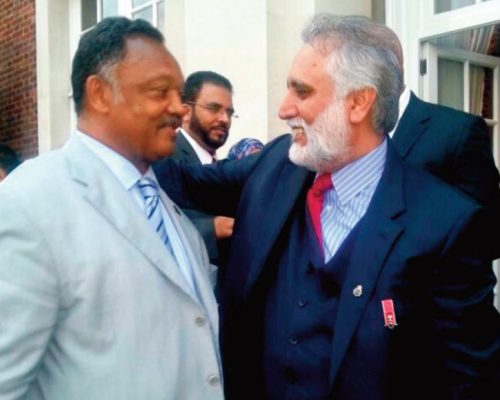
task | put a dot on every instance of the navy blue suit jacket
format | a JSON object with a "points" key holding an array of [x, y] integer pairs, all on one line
{"points": [[452, 145], [422, 244]]}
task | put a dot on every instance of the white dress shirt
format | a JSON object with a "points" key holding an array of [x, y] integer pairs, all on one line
{"points": [[404, 99], [204, 156]]}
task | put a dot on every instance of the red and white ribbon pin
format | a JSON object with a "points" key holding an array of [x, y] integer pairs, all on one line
{"points": [[389, 313]]}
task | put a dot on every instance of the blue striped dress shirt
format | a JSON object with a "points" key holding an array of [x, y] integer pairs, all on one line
{"points": [[347, 202]]}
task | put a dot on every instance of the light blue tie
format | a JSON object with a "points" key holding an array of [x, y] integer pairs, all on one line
{"points": [[149, 190]]}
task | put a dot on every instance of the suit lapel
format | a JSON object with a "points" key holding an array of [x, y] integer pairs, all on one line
{"points": [[290, 183], [103, 191], [184, 151], [201, 280], [378, 231], [411, 126]]}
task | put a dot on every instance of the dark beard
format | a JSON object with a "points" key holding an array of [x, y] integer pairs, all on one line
{"points": [[196, 129]]}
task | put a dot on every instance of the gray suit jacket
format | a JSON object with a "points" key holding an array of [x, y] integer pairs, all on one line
{"points": [[92, 305]]}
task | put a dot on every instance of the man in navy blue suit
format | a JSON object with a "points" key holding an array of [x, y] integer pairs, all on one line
{"points": [[453, 145], [352, 275]]}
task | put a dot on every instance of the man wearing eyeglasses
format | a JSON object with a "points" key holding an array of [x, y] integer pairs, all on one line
{"points": [[208, 99]]}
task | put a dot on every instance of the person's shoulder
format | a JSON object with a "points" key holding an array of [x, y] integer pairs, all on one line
{"points": [[425, 189], [447, 114], [278, 144], [35, 179]]}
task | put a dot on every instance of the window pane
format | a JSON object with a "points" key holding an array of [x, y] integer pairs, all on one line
{"points": [[451, 83], [146, 14], [161, 16], [109, 8], [481, 91], [89, 14], [448, 5], [137, 3]]}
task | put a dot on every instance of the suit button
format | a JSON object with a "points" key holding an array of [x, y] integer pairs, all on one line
{"points": [[293, 340], [213, 380], [200, 321], [302, 302]]}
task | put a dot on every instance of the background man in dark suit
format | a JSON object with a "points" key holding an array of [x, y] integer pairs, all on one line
{"points": [[9, 160], [208, 99], [451, 144], [345, 291]]}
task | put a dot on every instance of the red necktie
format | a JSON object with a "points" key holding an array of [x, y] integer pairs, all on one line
{"points": [[315, 202]]}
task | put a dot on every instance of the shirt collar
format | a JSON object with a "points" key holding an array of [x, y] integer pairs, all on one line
{"points": [[126, 173], [404, 100], [357, 175], [204, 156]]}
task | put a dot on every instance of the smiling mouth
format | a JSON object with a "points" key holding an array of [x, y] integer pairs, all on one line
{"points": [[297, 132]]}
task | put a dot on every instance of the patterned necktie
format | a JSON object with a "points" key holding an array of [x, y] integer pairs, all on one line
{"points": [[315, 202], [149, 190]]}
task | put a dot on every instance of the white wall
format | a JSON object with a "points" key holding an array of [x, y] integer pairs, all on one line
{"points": [[53, 71], [252, 44]]}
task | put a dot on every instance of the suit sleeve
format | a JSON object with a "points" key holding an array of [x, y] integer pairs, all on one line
{"points": [[205, 225], [465, 320], [28, 298], [475, 172], [214, 188]]}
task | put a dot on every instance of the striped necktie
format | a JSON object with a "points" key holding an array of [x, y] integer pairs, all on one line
{"points": [[149, 190]]}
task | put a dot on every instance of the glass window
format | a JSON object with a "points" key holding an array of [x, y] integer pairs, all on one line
{"points": [[448, 5], [146, 13], [109, 8], [89, 14], [481, 94], [137, 3], [161, 16], [450, 83]]}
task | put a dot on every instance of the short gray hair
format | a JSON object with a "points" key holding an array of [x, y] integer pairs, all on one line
{"points": [[362, 55]]}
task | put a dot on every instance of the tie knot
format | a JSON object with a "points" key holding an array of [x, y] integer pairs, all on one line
{"points": [[322, 183], [148, 187]]}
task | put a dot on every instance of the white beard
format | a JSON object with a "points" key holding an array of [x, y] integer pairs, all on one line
{"points": [[327, 147]]}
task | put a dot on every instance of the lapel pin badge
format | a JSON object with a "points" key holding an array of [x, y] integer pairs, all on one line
{"points": [[357, 291], [389, 313]]}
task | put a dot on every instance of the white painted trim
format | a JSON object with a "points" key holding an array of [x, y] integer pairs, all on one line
{"points": [[480, 14]]}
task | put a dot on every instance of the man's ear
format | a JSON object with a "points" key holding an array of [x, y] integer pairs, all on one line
{"points": [[98, 94], [360, 103], [187, 116]]}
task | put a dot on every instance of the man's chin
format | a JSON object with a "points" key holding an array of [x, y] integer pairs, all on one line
{"points": [[299, 156]]}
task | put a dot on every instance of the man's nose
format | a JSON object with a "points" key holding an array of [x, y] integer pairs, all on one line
{"points": [[288, 109], [175, 106]]}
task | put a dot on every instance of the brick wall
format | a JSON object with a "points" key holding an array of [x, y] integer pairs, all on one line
{"points": [[18, 96]]}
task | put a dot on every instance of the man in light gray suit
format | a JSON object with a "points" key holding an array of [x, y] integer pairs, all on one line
{"points": [[104, 284]]}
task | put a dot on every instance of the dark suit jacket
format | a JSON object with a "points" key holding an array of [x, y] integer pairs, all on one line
{"points": [[204, 222], [453, 145], [421, 244]]}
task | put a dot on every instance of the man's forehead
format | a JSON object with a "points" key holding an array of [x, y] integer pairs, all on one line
{"points": [[309, 63], [211, 90], [152, 58]]}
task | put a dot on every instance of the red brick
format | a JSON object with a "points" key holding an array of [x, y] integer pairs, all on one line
{"points": [[18, 97]]}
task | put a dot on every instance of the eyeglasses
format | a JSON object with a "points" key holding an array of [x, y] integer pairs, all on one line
{"points": [[215, 109]]}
